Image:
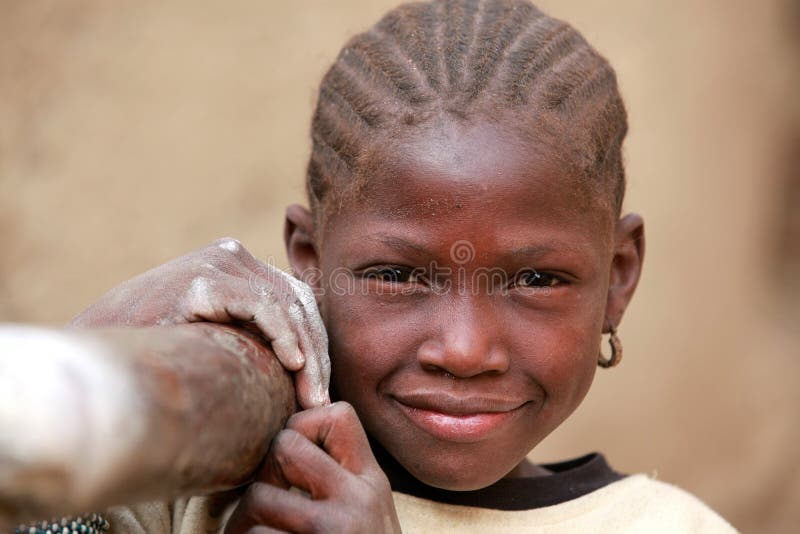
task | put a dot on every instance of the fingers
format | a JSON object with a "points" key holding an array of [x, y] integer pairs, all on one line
{"points": [[283, 308], [276, 325], [306, 331], [300, 336], [323, 451], [312, 381], [337, 429], [265, 508], [294, 461], [311, 385], [296, 333]]}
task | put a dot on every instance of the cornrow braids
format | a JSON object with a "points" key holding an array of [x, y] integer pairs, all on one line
{"points": [[472, 59]]}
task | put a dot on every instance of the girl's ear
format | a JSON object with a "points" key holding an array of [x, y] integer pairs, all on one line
{"points": [[298, 234], [626, 267]]}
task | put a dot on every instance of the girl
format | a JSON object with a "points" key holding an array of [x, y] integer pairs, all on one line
{"points": [[465, 245]]}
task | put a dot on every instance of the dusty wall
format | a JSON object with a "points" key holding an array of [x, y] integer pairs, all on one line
{"points": [[131, 133]]}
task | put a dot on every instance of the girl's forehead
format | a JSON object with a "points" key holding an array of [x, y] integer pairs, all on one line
{"points": [[460, 147], [457, 165], [471, 182]]}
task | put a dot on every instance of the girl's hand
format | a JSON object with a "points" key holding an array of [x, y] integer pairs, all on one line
{"points": [[325, 453], [224, 283]]}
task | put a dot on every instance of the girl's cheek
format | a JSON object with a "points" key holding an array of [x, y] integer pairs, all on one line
{"points": [[559, 357], [353, 326]]}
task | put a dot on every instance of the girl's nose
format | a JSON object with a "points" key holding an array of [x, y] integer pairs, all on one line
{"points": [[466, 344]]}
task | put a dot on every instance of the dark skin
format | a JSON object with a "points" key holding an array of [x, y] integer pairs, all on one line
{"points": [[458, 377], [323, 451], [402, 345], [224, 283]]}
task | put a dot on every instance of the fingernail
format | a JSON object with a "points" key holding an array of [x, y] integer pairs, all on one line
{"points": [[299, 358], [323, 397]]}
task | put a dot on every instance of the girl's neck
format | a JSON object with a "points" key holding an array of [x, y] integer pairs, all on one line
{"points": [[399, 477], [528, 469]]}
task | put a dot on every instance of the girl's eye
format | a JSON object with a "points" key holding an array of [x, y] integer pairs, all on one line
{"points": [[397, 275], [533, 278]]}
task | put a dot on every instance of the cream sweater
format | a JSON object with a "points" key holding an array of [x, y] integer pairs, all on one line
{"points": [[633, 504]]}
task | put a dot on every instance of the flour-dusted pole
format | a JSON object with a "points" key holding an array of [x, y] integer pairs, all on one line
{"points": [[93, 418]]}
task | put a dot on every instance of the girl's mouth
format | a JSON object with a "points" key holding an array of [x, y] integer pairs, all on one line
{"points": [[459, 420]]}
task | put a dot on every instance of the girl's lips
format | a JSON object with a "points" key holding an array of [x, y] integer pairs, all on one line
{"points": [[458, 427]]}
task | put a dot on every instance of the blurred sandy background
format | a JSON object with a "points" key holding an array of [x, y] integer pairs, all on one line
{"points": [[133, 132]]}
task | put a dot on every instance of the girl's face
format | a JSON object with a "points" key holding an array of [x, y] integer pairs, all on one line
{"points": [[464, 294]]}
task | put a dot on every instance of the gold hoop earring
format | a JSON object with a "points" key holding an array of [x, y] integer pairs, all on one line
{"points": [[616, 350]]}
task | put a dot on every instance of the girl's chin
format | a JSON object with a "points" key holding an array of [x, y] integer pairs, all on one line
{"points": [[453, 475], [446, 470], [448, 482], [525, 469]]}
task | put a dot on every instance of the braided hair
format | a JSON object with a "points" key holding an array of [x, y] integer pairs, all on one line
{"points": [[473, 59]]}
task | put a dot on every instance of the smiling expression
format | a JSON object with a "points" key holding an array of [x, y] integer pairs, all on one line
{"points": [[460, 374]]}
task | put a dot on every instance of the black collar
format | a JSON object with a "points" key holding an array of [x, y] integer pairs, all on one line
{"points": [[570, 479]]}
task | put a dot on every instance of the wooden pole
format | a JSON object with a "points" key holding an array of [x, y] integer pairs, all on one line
{"points": [[94, 418]]}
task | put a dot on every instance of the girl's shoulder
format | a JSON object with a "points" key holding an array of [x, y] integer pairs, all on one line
{"points": [[581, 495], [654, 506]]}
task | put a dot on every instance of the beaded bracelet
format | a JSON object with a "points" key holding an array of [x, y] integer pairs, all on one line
{"points": [[85, 524]]}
